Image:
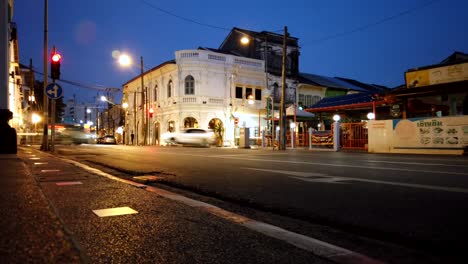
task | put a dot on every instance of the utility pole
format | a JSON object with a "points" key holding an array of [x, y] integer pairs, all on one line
{"points": [[45, 139], [282, 145], [135, 131], [32, 92], [143, 105]]}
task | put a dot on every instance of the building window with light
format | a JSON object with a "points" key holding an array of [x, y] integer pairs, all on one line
{"points": [[239, 92], [169, 89], [248, 92], [189, 85]]}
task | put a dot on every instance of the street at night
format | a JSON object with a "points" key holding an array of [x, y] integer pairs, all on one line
{"points": [[411, 201], [243, 132]]}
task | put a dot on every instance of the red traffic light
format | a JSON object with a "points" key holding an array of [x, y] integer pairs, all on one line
{"points": [[55, 66], [56, 57]]}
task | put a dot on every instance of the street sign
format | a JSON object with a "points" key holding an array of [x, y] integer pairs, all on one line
{"points": [[54, 91]]}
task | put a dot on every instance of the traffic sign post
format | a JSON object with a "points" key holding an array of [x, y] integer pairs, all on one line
{"points": [[54, 92]]}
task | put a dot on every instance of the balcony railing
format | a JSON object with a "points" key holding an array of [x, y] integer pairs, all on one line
{"points": [[213, 57]]}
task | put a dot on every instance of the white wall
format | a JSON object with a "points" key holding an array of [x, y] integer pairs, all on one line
{"points": [[445, 135]]}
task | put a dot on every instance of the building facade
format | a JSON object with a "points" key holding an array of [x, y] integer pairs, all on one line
{"points": [[201, 89]]}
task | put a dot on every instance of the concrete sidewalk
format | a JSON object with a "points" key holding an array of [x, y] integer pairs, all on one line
{"points": [[30, 230], [49, 216]]}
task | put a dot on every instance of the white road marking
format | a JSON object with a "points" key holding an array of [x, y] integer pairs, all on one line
{"points": [[346, 165], [323, 164], [416, 163], [68, 183], [410, 185], [45, 171], [337, 180]]}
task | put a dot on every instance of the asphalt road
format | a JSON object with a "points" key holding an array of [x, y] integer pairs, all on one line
{"points": [[416, 201]]}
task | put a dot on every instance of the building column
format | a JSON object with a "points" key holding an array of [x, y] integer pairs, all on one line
{"points": [[8, 138], [4, 54]]}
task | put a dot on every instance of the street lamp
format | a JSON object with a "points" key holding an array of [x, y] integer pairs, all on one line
{"points": [[336, 117], [35, 118], [245, 40], [282, 139], [125, 60]]}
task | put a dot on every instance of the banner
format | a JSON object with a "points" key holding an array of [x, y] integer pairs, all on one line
{"points": [[444, 132], [322, 138]]}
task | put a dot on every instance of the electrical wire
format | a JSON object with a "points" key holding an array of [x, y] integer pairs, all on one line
{"points": [[77, 84], [330, 37], [378, 22], [183, 18]]}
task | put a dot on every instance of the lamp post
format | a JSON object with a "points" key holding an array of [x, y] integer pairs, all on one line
{"points": [[125, 60], [245, 41]]}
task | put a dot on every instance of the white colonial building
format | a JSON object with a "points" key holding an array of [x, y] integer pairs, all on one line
{"points": [[201, 88]]}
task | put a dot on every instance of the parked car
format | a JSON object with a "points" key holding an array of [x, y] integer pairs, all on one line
{"points": [[191, 136], [107, 139]]}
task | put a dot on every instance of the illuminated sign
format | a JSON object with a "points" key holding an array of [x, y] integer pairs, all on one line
{"points": [[439, 75]]}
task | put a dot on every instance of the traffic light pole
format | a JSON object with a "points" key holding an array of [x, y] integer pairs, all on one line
{"points": [[52, 123], [45, 141]]}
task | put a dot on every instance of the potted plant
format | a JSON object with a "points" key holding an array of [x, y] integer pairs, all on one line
{"points": [[219, 132]]}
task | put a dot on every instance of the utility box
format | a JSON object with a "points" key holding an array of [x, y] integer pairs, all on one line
{"points": [[244, 140]]}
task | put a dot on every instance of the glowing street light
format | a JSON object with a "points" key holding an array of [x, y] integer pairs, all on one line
{"points": [[245, 40], [35, 118], [336, 118], [125, 60], [124, 105], [370, 116]]}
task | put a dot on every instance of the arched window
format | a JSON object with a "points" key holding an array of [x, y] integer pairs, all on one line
{"points": [[156, 92], [190, 122], [169, 89], [189, 85], [171, 126]]}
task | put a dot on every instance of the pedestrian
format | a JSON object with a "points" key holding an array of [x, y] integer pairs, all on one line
{"points": [[132, 136]]}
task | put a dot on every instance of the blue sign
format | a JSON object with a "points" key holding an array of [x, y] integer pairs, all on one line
{"points": [[54, 91]]}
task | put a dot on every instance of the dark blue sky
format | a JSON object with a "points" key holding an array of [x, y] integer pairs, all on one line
{"points": [[373, 41]]}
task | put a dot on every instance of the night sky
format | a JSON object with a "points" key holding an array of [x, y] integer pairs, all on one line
{"points": [[373, 41]]}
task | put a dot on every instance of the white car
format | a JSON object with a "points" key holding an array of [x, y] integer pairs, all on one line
{"points": [[191, 136]]}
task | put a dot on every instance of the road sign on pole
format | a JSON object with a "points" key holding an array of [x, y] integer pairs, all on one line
{"points": [[54, 91]]}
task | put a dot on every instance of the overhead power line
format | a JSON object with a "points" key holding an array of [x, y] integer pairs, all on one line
{"points": [[183, 18], [77, 84], [378, 22]]}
